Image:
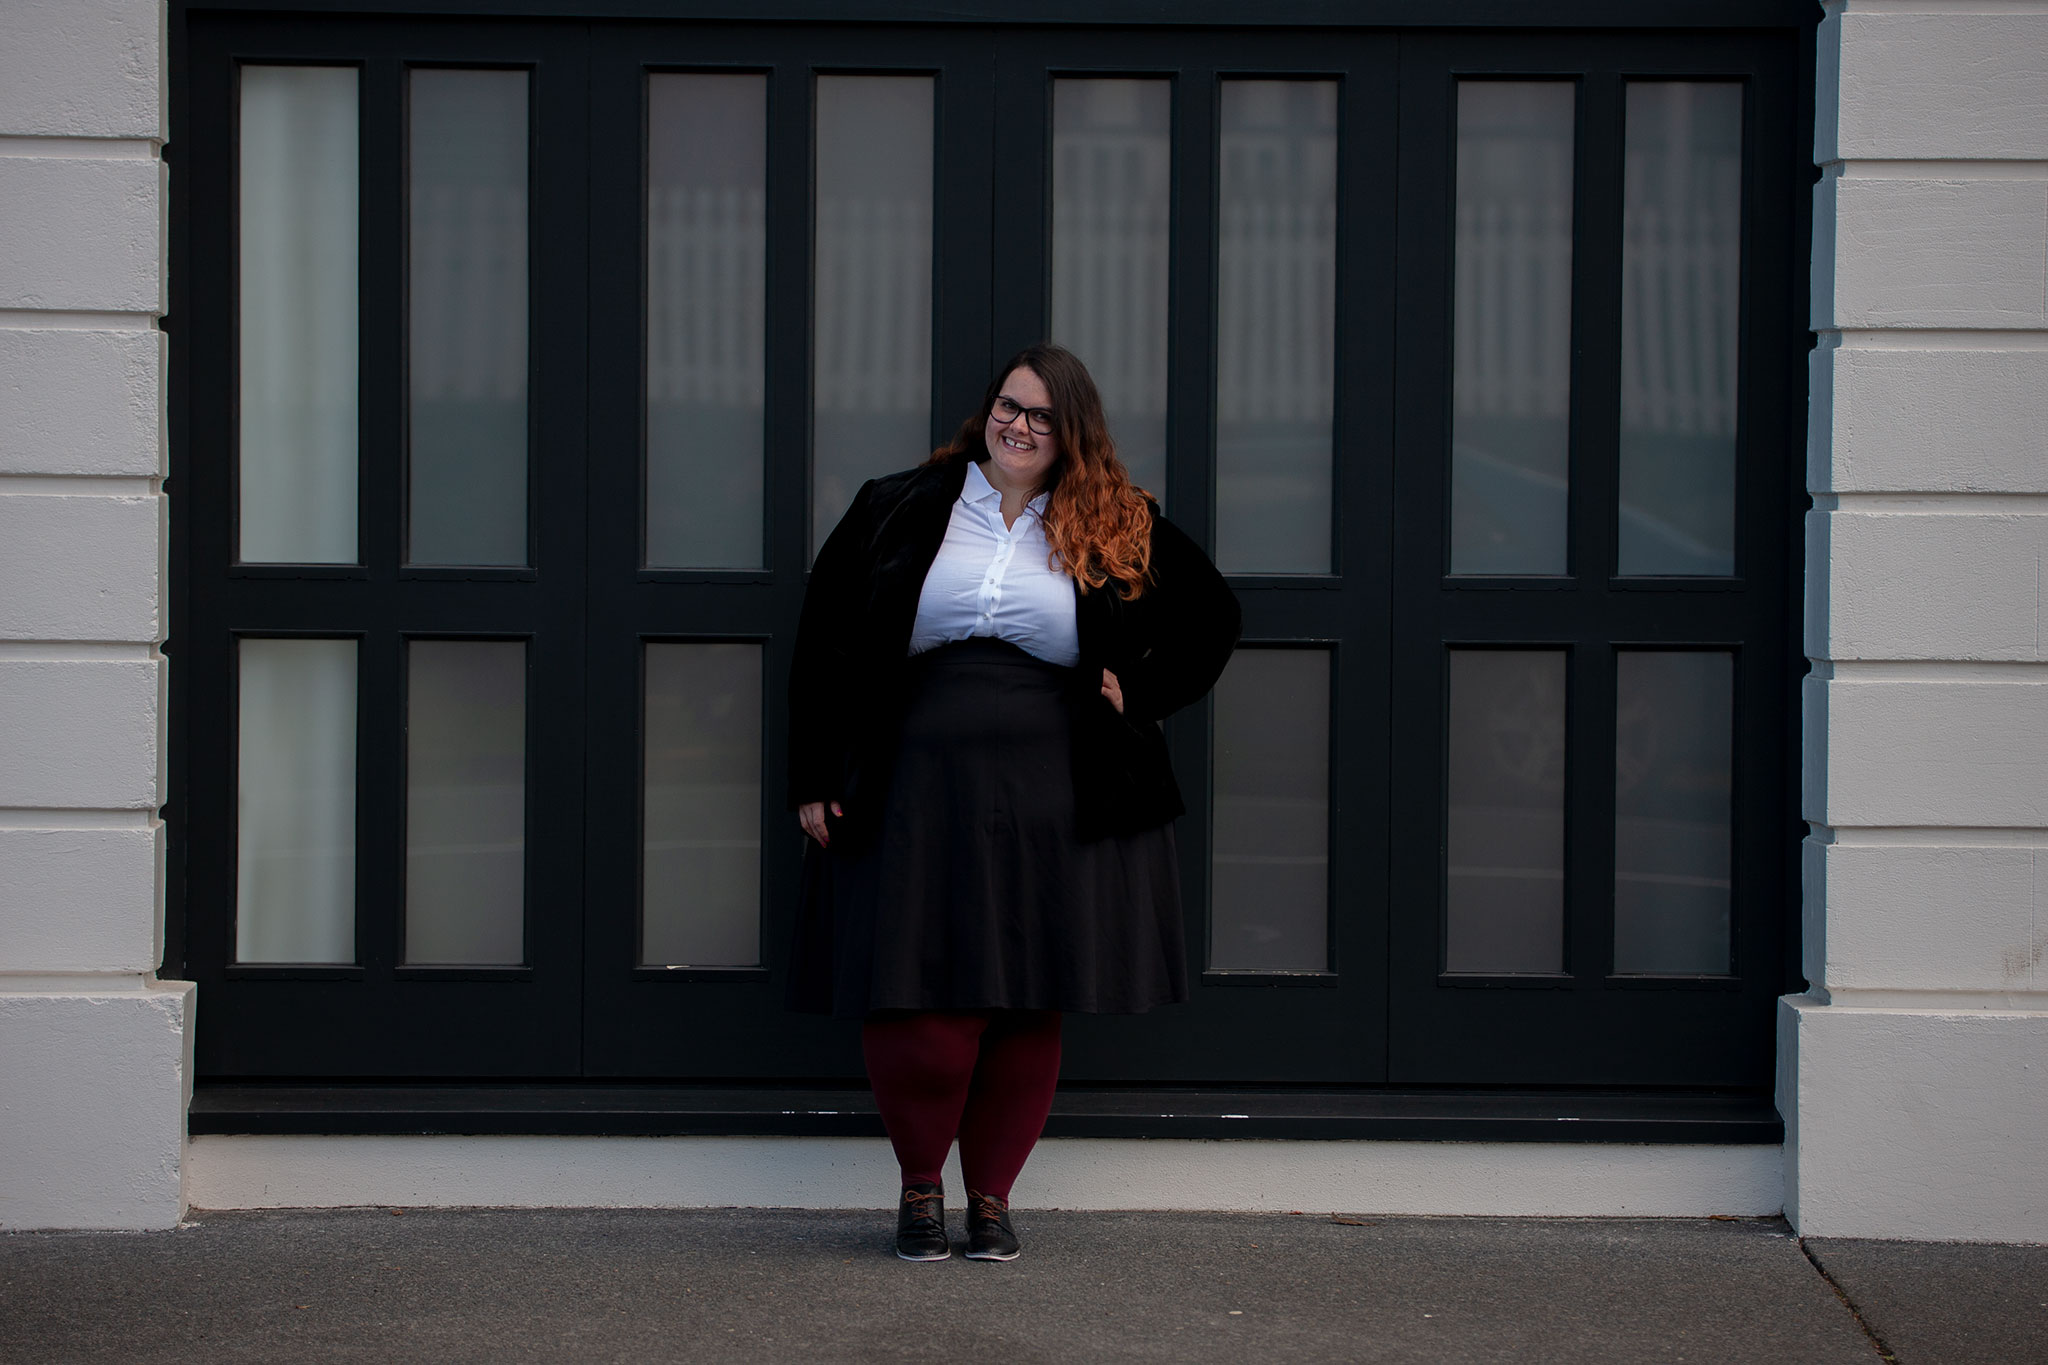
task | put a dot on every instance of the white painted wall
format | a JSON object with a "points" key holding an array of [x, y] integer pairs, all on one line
{"points": [[95, 1053], [1911, 1073]]}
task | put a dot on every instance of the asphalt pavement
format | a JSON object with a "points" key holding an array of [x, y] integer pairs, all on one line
{"points": [[824, 1286]]}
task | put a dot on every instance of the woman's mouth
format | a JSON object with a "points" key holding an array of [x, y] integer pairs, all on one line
{"points": [[1015, 444]]}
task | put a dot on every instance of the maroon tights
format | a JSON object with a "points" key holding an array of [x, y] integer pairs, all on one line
{"points": [[986, 1076]]}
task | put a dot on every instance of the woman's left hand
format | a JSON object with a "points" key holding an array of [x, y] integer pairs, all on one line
{"points": [[1113, 690]]}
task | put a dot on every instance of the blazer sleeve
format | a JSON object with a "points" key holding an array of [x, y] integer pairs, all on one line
{"points": [[823, 665], [1194, 627]]}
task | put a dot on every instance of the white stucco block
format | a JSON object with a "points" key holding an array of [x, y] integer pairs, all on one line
{"points": [[80, 900], [1928, 918], [81, 233], [1898, 751], [1910, 586], [1914, 1124], [1930, 253], [79, 568], [1963, 421], [81, 68], [93, 1091], [74, 401], [79, 733], [1933, 86]]}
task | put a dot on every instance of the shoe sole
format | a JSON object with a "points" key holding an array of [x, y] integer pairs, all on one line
{"points": [[992, 1256], [942, 1256]]}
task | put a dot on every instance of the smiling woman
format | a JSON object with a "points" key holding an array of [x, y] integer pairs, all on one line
{"points": [[987, 645]]}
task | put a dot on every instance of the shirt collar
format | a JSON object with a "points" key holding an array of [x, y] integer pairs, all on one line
{"points": [[978, 489]]}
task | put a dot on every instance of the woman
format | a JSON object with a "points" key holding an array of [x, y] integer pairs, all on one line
{"points": [[987, 645]]}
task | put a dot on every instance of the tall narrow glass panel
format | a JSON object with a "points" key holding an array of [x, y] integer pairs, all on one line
{"points": [[1276, 327], [1112, 178], [1673, 798], [465, 803], [297, 315], [872, 314], [466, 347], [1681, 278], [295, 798], [707, 281], [1504, 890], [1270, 839], [700, 884], [1512, 325]]}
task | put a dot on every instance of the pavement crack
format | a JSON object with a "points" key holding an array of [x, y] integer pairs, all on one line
{"points": [[1884, 1352]]}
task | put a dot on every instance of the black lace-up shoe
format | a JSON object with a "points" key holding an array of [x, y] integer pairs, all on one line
{"points": [[921, 1224], [989, 1237]]}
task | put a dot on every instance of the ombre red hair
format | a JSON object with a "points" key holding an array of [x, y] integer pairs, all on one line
{"points": [[1098, 523]]}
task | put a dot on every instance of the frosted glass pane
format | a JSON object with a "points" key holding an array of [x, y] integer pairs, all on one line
{"points": [[1512, 327], [1673, 789], [295, 800], [872, 313], [707, 237], [467, 291], [465, 802], [1505, 891], [1270, 840], [1112, 177], [1276, 329], [1681, 277], [701, 850], [298, 223]]}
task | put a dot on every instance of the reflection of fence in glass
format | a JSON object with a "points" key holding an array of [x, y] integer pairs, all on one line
{"points": [[1110, 274], [467, 367], [1111, 216], [468, 290], [1681, 262], [1514, 295], [871, 319], [1276, 325], [706, 309], [296, 242], [705, 249], [466, 343], [1511, 311], [874, 306]]}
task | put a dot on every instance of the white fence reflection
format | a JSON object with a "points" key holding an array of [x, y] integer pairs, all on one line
{"points": [[1513, 281], [468, 293], [706, 249]]}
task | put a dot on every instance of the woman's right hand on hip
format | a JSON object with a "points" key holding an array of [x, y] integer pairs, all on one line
{"points": [[811, 815]]}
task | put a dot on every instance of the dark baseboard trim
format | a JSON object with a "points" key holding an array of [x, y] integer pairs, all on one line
{"points": [[677, 1110]]}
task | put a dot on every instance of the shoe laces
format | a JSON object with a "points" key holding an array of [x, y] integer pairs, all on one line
{"points": [[922, 1205], [989, 1206]]}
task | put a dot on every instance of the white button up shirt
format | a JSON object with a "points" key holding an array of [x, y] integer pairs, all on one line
{"points": [[994, 581]]}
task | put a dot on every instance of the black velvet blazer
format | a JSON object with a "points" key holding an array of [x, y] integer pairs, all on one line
{"points": [[1167, 648]]}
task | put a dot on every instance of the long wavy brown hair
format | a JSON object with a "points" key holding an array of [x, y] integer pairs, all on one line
{"points": [[1098, 523]]}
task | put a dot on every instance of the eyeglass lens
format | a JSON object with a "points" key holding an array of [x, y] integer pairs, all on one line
{"points": [[1039, 419]]}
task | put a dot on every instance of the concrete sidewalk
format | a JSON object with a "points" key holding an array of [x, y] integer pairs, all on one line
{"points": [[630, 1285]]}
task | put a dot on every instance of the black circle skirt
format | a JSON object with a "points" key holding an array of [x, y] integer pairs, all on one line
{"points": [[973, 892]]}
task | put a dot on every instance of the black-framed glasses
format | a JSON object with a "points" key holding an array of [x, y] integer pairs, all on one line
{"points": [[1007, 408]]}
